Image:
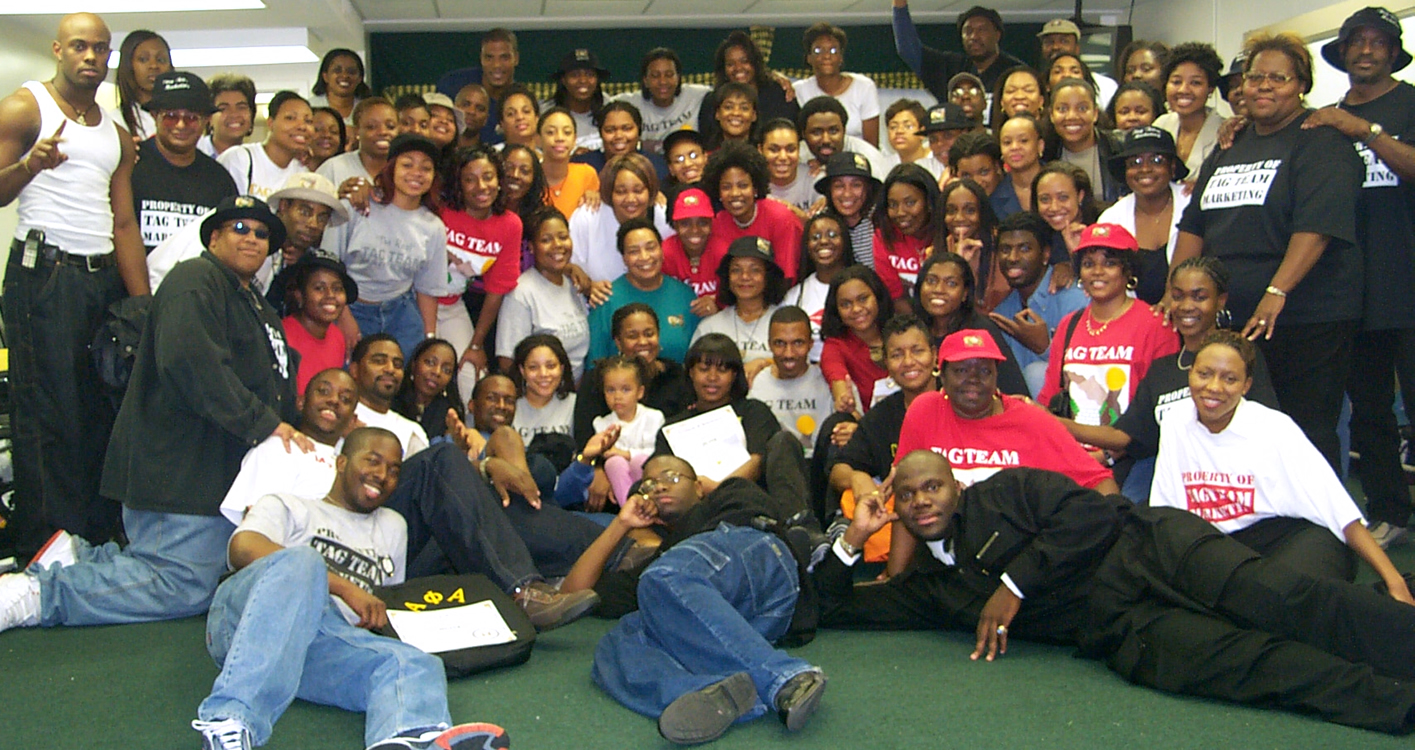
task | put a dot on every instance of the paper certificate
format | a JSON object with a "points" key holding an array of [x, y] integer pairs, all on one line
{"points": [[712, 443], [434, 631]]}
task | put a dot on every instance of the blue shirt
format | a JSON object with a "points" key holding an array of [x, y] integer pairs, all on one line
{"points": [[1004, 199], [1049, 307], [671, 301]]}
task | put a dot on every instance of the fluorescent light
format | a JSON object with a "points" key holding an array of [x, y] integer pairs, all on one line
{"points": [[221, 57], [103, 7]]}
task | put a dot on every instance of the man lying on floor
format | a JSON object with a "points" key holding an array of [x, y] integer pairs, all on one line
{"points": [[1167, 599], [694, 645], [290, 623]]}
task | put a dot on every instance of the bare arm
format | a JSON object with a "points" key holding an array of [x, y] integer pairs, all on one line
{"points": [[638, 512], [427, 310], [1304, 249], [1100, 436], [1107, 487], [1399, 156], [127, 240], [19, 131], [1363, 544], [870, 128]]}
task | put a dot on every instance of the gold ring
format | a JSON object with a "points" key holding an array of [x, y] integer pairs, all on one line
{"points": [[1262, 322], [1002, 630]]}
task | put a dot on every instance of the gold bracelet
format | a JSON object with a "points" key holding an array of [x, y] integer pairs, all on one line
{"points": [[1275, 291], [24, 162]]}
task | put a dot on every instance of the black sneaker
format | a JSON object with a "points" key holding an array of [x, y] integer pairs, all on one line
{"points": [[799, 698], [703, 715], [549, 609]]}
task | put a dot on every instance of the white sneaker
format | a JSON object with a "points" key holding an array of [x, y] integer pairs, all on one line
{"points": [[227, 734], [19, 601], [1387, 534], [59, 550]]}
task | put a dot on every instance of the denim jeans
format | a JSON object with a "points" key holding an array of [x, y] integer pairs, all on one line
{"points": [[169, 569], [1138, 481], [277, 635], [708, 608], [398, 317]]}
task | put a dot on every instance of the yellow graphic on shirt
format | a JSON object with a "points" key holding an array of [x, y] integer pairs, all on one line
{"points": [[806, 424], [1099, 393]]}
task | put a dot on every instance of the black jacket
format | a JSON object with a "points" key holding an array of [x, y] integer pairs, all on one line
{"points": [[213, 378], [1107, 145]]}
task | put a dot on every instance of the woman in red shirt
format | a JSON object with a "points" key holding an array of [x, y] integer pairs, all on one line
{"points": [[685, 255], [852, 358], [737, 180], [319, 291], [1107, 346], [904, 229]]}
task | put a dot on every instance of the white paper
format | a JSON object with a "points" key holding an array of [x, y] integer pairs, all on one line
{"points": [[434, 631], [714, 443]]}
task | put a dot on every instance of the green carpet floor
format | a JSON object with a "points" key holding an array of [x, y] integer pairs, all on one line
{"points": [[138, 686]]}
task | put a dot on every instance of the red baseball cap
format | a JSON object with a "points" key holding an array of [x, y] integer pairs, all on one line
{"points": [[692, 203], [969, 343], [1111, 236]]}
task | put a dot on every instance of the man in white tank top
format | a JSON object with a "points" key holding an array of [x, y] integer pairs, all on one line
{"points": [[76, 250]]}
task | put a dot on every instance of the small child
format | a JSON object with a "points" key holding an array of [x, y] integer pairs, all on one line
{"points": [[623, 387]]}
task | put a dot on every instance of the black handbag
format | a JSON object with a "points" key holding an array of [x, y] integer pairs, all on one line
{"points": [[447, 591], [1060, 404]]}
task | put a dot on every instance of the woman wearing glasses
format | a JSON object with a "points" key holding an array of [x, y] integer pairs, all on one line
{"points": [[1279, 208], [1150, 166]]}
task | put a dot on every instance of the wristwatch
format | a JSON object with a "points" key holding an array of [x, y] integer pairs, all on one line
{"points": [[1374, 133], [849, 549]]}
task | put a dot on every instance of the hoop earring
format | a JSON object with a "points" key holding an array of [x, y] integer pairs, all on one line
{"points": [[1224, 319], [1132, 283], [938, 372]]}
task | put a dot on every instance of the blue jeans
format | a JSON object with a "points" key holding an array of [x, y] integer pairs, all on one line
{"points": [[169, 569], [277, 635], [710, 607], [398, 317], [1138, 481]]}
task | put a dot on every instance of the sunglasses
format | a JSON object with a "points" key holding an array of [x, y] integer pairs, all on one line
{"points": [[244, 228], [172, 117]]}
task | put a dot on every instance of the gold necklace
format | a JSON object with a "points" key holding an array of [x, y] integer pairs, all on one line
{"points": [[1098, 331], [80, 117]]}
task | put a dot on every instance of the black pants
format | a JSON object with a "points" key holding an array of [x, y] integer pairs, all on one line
{"points": [[1302, 546], [60, 417], [825, 500], [1309, 365], [1178, 607], [1379, 358]]}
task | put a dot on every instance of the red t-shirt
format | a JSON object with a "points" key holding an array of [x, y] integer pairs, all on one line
{"points": [[1022, 435], [898, 263], [675, 264], [490, 248], [848, 358], [1103, 370], [316, 355], [775, 222]]}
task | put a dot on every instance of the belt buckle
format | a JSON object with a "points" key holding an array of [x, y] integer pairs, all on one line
{"points": [[89, 263]]}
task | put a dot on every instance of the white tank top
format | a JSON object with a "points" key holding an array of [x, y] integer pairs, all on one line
{"points": [[70, 202]]}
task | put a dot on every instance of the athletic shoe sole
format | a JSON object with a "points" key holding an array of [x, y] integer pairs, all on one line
{"points": [[704, 715]]}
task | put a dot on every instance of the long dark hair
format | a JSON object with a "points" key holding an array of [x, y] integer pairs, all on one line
{"points": [[987, 218], [452, 181], [530, 344], [405, 401], [807, 264], [920, 179], [831, 324], [999, 115], [1090, 209], [128, 103], [535, 194], [970, 284], [320, 87], [717, 349], [743, 40]]}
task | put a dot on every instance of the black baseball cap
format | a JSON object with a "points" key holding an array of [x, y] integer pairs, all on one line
{"points": [[947, 116], [1147, 140], [682, 134], [176, 89], [1379, 19], [993, 17], [406, 142], [237, 207], [1234, 75], [579, 59], [315, 260]]}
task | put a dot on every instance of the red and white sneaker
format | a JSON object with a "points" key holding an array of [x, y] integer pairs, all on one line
{"points": [[59, 550]]}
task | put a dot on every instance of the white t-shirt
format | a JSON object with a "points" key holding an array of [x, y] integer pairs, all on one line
{"points": [[592, 237], [268, 468], [860, 99], [1105, 89], [1261, 466], [928, 162], [557, 416], [801, 404], [638, 434], [586, 133], [410, 434], [752, 339], [339, 168], [254, 172], [367, 549], [537, 306], [809, 295], [660, 121], [801, 193]]}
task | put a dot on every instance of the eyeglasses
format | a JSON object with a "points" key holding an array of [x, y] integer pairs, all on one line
{"points": [[825, 50], [1140, 160], [1277, 79], [244, 228], [689, 156], [829, 234], [172, 117], [662, 481]]}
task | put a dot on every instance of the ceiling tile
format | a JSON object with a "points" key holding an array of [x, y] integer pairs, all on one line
{"points": [[395, 10]]}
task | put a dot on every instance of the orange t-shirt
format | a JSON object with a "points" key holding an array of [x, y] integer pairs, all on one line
{"points": [[566, 195]]}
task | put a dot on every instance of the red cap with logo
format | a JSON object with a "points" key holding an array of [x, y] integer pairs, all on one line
{"points": [[692, 203], [969, 343], [1112, 236]]}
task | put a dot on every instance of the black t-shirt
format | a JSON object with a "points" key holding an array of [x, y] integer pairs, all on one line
{"points": [[1166, 387], [940, 66], [1251, 199], [1152, 275], [871, 449], [1386, 216], [668, 392], [758, 422], [168, 197]]}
